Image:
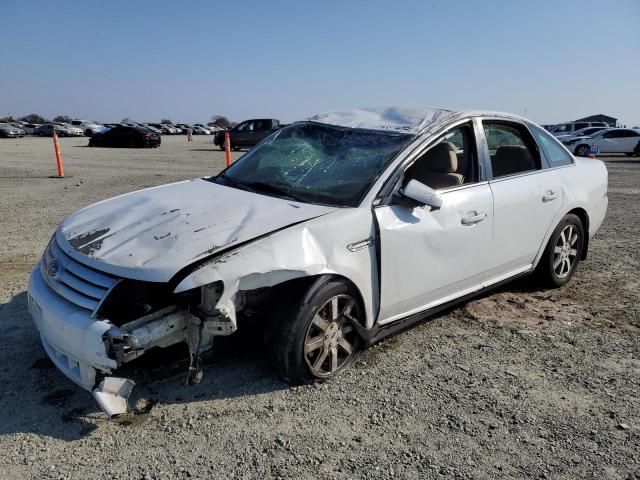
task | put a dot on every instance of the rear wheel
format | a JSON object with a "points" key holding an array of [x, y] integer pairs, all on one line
{"points": [[560, 259], [315, 338]]}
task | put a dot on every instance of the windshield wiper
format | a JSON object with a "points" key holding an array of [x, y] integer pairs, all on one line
{"points": [[232, 182], [270, 188]]}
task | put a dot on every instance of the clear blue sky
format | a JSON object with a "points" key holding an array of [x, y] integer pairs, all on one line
{"points": [[187, 61]]}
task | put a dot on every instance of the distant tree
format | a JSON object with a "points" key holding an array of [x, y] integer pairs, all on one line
{"points": [[34, 118], [220, 121], [166, 121], [62, 119], [125, 120]]}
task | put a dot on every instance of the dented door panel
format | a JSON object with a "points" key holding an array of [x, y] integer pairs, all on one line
{"points": [[428, 256]]}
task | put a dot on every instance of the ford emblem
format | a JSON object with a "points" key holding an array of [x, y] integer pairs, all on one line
{"points": [[53, 267]]}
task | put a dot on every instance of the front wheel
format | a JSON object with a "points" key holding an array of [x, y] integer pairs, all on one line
{"points": [[560, 259], [315, 338]]}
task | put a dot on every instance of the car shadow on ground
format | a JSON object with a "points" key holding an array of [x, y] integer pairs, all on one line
{"points": [[37, 398]]}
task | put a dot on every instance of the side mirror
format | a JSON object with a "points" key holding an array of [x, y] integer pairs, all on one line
{"points": [[419, 192]]}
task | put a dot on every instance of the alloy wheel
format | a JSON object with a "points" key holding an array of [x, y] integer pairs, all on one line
{"points": [[565, 252], [331, 340]]}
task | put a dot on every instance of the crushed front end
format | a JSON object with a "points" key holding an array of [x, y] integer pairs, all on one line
{"points": [[91, 323]]}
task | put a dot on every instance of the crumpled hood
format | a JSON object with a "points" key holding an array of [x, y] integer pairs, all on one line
{"points": [[151, 234]]}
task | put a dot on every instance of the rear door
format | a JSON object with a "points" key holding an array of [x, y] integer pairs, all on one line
{"points": [[526, 198], [629, 140], [609, 142], [429, 256], [262, 129]]}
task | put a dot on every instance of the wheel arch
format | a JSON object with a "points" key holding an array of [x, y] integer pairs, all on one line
{"points": [[582, 214], [303, 287]]}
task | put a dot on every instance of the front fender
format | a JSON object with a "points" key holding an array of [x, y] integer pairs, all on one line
{"points": [[321, 246]]}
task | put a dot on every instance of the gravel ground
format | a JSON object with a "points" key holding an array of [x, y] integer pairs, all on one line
{"points": [[520, 383]]}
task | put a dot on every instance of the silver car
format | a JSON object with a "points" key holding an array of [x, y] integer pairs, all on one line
{"points": [[9, 131]]}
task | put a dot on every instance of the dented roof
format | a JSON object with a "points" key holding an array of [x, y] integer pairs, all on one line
{"points": [[402, 119]]}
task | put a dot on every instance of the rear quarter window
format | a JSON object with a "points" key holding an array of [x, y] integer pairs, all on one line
{"points": [[555, 154]]}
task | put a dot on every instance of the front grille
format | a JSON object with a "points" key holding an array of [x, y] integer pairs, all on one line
{"points": [[73, 281]]}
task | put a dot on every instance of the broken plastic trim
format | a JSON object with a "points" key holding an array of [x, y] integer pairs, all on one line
{"points": [[113, 395]]}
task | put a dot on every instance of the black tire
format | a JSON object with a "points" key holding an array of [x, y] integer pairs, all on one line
{"points": [[557, 267], [582, 150], [298, 325], [636, 151], [222, 147], [91, 144]]}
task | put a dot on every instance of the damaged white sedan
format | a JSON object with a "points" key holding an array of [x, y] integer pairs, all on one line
{"points": [[332, 233]]}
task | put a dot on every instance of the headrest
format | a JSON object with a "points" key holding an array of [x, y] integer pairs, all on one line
{"points": [[511, 159], [442, 158]]}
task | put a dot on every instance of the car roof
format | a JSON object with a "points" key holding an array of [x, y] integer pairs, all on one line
{"points": [[413, 120]]}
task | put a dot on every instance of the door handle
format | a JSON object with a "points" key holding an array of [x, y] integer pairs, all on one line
{"points": [[549, 196], [473, 219]]}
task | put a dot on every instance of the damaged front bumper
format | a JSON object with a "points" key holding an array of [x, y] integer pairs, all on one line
{"points": [[88, 349]]}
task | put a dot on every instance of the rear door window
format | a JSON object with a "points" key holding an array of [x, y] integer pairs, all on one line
{"points": [[511, 147], [555, 153], [629, 133]]}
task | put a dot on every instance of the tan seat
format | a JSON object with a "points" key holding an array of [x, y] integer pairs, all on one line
{"points": [[437, 168], [510, 159]]}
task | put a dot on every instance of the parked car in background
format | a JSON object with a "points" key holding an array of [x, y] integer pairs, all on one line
{"points": [[9, 131], [74, 131], [200, 130], [29, 128], [168, 129], [125, 136], [88, 128], [611, 140], [584, 132], [162, 129], [152, 128], [571, 127], [355, 225], [46, 130], [248, 133]]}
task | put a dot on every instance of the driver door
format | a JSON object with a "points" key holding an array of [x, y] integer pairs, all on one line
{"points": [[243, 133], [430, 256]]}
